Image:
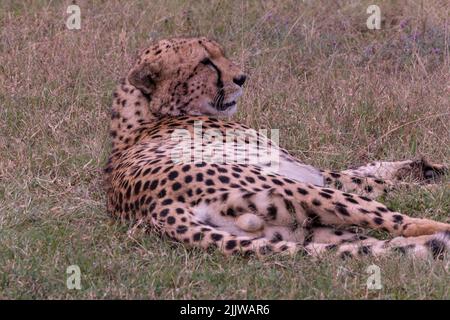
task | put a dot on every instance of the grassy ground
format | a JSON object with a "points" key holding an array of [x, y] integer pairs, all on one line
{"points": [[340, 94]]}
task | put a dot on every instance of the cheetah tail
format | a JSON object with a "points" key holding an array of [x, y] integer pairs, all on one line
{"points": [[423, 247]]}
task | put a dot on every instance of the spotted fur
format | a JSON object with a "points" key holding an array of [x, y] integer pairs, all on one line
{"points": [[240, 207]]}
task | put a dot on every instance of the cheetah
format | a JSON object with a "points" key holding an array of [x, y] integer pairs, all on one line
{"points": [[261, 200]]}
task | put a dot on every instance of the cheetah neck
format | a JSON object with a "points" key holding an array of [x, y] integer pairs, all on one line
{"points": [[130, 110]]}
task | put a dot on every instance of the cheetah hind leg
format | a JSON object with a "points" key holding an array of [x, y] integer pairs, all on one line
{"points": [[344, 243], [204, 236], [298, 207], [179, 222]]}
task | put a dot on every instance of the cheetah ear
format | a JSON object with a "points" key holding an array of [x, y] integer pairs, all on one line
{"points": [[144, 77]]}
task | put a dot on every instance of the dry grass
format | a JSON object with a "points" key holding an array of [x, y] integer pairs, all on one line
{"points": [[340, 94]]}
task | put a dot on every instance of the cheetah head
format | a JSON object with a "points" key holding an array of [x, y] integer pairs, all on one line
{"points": [[188, 76]]}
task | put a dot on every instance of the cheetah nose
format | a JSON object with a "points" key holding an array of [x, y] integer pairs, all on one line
{"points": [[240, 80]]}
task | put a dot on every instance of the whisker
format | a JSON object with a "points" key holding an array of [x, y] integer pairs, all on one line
{"points": [[216, 99], [220, 101]]}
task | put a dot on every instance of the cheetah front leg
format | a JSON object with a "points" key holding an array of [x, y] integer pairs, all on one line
{"points": [[377, 178], [361, 185], [421, 170]]}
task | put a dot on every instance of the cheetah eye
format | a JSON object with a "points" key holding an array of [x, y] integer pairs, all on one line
{"points": [[206, 61]]}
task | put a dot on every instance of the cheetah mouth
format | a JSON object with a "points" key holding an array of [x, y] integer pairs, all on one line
{"points": [[224, 105], [227, 105]]}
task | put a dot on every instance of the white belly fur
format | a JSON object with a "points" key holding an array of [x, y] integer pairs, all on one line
{"points": [[301, 172]]}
